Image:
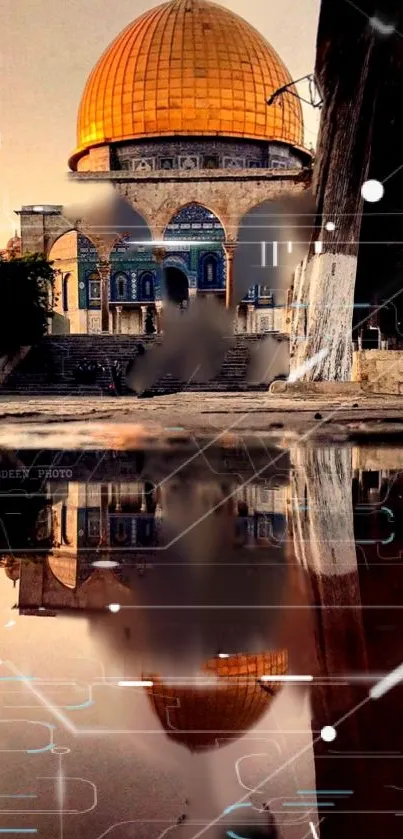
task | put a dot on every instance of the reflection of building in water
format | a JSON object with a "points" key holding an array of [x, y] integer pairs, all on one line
{"points": [[204, 717], [123, 522], [120, 522], [261, 513]]}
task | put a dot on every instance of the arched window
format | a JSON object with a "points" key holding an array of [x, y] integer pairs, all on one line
{"points": [[65, 292], [209, 270], [94, 286], [146, 286], [121, 286]]}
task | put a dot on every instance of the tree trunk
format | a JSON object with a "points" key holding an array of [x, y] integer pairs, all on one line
{"points": [[380, 260], [348, 65]]}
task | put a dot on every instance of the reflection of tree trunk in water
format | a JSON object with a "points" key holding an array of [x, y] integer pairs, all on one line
{"points": [[323, 532]]}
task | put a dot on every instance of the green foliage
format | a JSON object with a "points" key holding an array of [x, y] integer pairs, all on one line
{"points": [[26, 301]]}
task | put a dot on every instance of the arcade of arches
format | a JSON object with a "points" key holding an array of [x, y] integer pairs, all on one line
{"points": [[194, 260]]}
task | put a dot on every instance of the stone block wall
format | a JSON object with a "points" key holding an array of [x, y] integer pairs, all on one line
{"points": [[379, 371]]}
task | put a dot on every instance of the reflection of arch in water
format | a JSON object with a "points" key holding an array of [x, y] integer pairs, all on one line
{"points": [[207, 717]]}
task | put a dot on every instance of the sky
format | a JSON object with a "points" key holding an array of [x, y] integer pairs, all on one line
{"points": [[47, 51]]}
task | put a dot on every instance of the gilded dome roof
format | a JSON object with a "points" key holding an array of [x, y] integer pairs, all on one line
{"points": [[187, 68], [207, 717]]}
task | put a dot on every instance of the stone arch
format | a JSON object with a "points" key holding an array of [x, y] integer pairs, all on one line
{"points": [[250, 204], [277, 221], [196, 204], [143, 232], [52, 238], [196, 224]]}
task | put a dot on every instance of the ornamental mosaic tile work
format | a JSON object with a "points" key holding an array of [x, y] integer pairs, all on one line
{"points": [[195, 222], [185, 155]]}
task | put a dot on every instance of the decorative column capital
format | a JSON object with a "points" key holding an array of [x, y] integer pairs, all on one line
{"points": [[230, 248], [159, 254], [103, 267]]}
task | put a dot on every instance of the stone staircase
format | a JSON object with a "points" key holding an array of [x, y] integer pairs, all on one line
{"points": [[48, 369]]}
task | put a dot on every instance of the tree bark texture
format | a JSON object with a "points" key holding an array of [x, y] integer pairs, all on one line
{"points": [[349, 61]]}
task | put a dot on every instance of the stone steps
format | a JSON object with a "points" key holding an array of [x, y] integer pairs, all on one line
{"points": [[48, 368]]}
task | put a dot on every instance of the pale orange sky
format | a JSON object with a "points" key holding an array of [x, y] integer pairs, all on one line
{"points": [[48, 49]]}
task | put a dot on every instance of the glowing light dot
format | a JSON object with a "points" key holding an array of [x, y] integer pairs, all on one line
{"points": [[114, 607], [328, 733], [330, 225], [223, 655], [372, 191]]}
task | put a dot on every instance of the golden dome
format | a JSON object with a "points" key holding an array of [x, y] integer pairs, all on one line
{"points": [[206, 717], [187, 68]]}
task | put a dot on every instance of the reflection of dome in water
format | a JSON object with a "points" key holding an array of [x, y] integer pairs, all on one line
{"points": [[203, 717], [64, 568]]}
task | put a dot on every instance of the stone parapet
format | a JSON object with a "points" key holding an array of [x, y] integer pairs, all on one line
{"points": [[379, 371], [311, 389]]}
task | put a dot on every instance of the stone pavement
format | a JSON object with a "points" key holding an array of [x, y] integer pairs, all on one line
{"points": [[228, 415]]}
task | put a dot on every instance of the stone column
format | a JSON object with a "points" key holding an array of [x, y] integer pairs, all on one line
{"points": [[250, 321], [159, 255], [104, 271], [158, 311], [143, 318], [118, 319], [229, 248]]}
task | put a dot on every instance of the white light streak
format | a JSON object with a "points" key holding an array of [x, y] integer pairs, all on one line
{"points": [[135, 683], [275, 254], [318, 247], [286, 678], [307, 365], [390, 681], [289, 247], [114, 607], [263, 254], [381, 27], [105, 563], [167, 243], [313, 830]]}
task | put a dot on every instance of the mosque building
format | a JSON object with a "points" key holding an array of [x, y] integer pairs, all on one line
{"points": [[174, 115]]}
